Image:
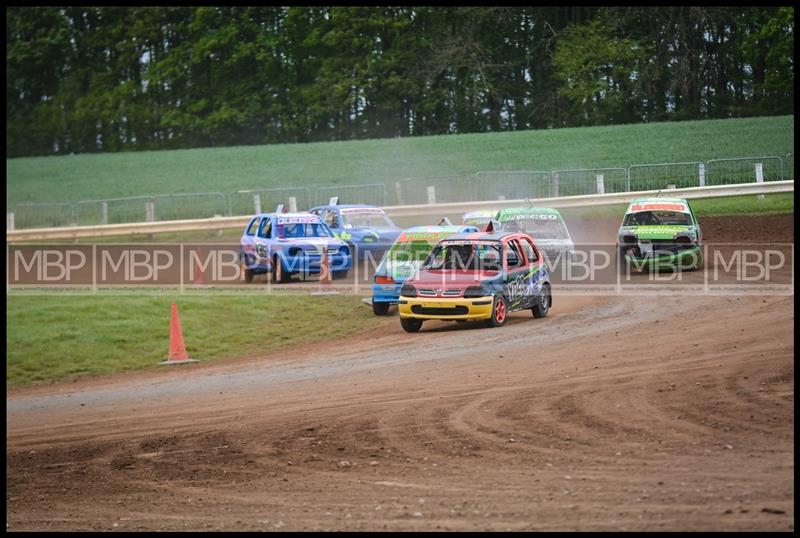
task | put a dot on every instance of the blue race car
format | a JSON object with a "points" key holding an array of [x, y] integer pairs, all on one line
{"points": [[290, 243], [403, 259], [366, 228]]}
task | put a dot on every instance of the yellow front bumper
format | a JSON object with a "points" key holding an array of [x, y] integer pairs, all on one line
{"points": [[477, 308]]}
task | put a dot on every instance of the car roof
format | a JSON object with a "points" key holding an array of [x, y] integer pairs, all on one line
{"points": [[346, 206], [297, 214], [658, 199], [480, 236], [529, 210], [439, 229], [480, 213]]}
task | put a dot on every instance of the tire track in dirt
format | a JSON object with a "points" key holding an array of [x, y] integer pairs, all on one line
{"points": [[601, 433]]}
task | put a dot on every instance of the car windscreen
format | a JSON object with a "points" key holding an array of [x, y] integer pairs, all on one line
{"points": [[460, 256], [657, 218], [294, 230], [477, 220], [408, 251], [366, 219], [539, 226]]}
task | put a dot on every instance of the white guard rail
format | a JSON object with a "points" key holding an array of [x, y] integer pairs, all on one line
{"points": [[422, 210]]}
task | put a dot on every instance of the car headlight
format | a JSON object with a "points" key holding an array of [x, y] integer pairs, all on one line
{"points": [[473, 292], [408, 290]]}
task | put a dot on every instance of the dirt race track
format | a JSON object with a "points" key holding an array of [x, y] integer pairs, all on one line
{"points": [[613, 413]]}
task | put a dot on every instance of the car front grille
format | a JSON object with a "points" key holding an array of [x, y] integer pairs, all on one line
{"points": [[668, 245], [318, 252], [428, 292], [431, 311]]}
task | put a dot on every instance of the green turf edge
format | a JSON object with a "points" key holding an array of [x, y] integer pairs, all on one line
{"points": [[56, 338]]}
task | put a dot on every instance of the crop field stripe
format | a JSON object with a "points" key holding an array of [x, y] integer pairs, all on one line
{"points": [[114, 175]]}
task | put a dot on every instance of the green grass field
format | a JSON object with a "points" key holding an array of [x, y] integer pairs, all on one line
{"points": [[93, 176], [55, 338]]}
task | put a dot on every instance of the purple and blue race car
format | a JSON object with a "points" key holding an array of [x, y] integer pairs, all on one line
{"points": [[284, 244], [367, 229]]}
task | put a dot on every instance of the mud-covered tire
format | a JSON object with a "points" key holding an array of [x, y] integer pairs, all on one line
{"points": [[248, 275], [499, 312], [544, 301], [699, 265], [380, 309], [622, 264], [278, 274], [411, 325]]}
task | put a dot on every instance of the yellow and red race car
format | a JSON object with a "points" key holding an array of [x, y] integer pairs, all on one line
{"points": [[477, 276]]}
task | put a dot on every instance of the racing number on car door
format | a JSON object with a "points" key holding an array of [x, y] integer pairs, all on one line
{"points": [[537, 271], [517, 273]]}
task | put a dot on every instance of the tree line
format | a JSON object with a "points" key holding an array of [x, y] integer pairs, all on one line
{"points": [[107, 79]]}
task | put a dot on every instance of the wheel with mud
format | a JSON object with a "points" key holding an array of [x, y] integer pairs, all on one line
{"points": [[278, 274], [698, 266], [499, 312], [411, 325], [622, 263], [380, 309], [543, 303]]}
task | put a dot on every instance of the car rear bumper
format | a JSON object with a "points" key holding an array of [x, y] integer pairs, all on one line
{"points": [[445, 308], [386, 293]]}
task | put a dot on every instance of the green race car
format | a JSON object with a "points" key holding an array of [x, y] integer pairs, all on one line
{"points": [[544, 224], [660, 233]]}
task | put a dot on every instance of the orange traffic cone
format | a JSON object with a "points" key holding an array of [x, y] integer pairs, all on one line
{"points": [[324, 268], [177, 348]]}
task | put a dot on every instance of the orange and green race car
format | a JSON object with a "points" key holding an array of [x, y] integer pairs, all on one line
{"points": [[660, 233]]}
